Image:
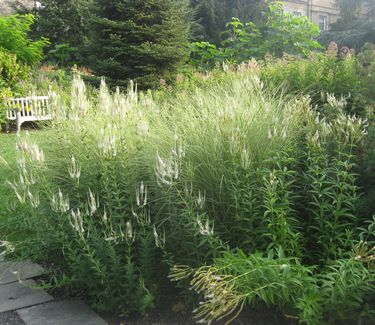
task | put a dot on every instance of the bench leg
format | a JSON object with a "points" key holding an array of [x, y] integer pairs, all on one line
{"points": [[19, 122]]}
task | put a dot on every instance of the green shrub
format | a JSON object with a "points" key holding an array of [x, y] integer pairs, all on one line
{"points": [[281, 33], [366, 63], [14, 38], [318, 74], [44, 79], [11, 72], [16, 53], [285, 32], [347, 289], [236, 280], [64, 55], [349, 78], [4, 93]]}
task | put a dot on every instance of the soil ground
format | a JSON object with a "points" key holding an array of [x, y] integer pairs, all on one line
{"points": [[175, 312], [10, 318]]}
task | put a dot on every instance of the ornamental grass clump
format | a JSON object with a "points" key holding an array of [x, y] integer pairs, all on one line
{"points": [[89, 228], [133, 187]]}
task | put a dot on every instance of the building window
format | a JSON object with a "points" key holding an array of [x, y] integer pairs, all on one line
{"points": [[323, 22], [297, 14]]}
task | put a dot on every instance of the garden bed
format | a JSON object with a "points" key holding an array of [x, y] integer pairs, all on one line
{"points": [[230, 190]]}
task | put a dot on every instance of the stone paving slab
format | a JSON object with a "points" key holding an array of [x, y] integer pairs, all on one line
{"points": [[20, 295], [13, 271], [73, 312]]}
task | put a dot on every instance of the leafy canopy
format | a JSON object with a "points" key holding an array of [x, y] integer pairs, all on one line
{"points": [[281, 33], [14, 38]]}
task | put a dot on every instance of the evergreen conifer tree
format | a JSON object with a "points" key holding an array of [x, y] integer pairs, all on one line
{"points": [[140, 40], [64, 23]]}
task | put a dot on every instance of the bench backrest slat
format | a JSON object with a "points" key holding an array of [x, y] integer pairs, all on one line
{"points": [[27, 106]]}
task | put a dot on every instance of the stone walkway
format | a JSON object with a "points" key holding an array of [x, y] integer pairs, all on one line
{"points": [[22, 302]]}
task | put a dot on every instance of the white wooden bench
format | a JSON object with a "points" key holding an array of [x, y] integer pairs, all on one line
{"points": [[27, 109]]}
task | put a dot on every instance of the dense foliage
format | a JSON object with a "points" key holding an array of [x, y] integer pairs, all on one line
{"points": [[14, 38], [138, 183], [354, 28], [66, 24], [353, 34], [348, 77], [281, 33], [17, 54], [317, 75], [149, 41], [251, 183], [213, 15], [63, 21], [11, 71]]}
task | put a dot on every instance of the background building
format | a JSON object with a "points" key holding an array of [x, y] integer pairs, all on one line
{"points": [[321, 12]]}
